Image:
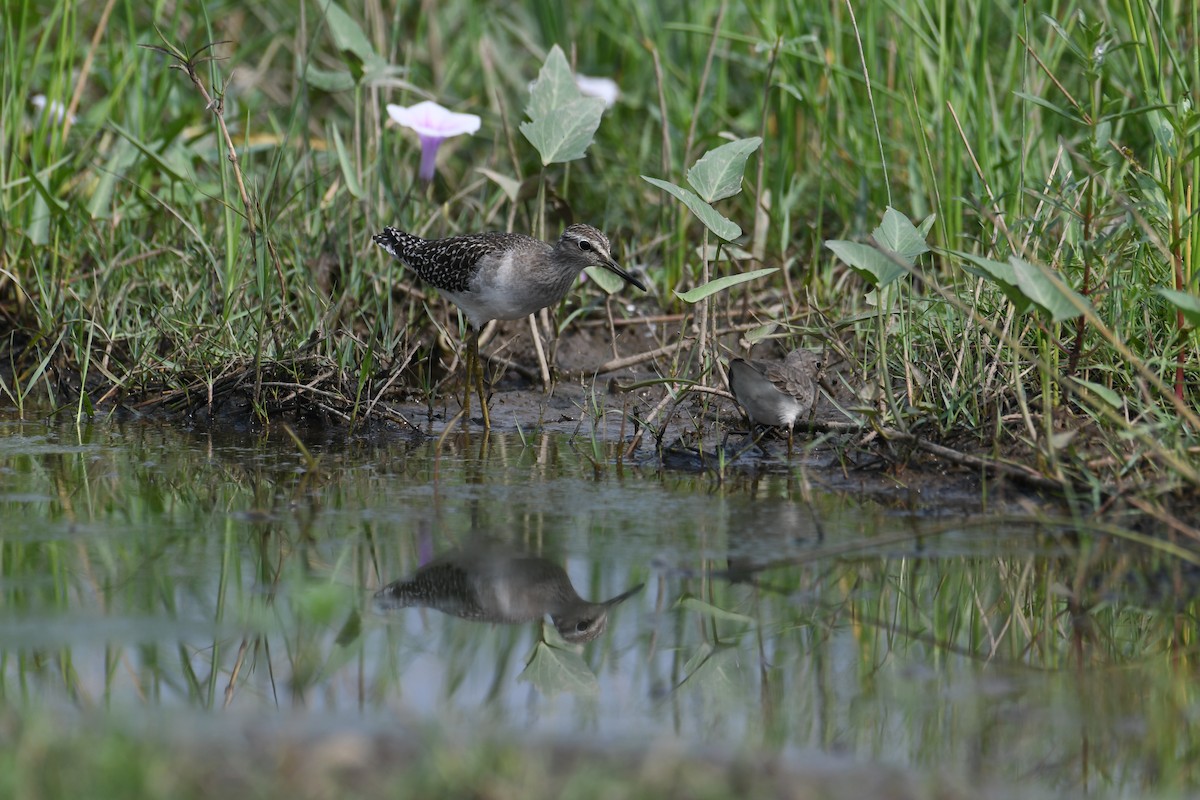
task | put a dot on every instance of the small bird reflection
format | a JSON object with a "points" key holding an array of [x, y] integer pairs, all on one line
{"points": [[494, 582]]}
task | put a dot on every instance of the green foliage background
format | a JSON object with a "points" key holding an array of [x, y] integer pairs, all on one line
{"points": [[1062, 134]]}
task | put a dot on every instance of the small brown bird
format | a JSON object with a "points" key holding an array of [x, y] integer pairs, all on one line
{"points": [[776, 393]]}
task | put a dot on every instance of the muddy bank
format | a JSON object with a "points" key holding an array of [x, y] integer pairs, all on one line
{"points": [[612, 385]]}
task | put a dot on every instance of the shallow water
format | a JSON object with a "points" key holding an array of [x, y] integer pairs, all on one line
{"points": [[144, 566]]}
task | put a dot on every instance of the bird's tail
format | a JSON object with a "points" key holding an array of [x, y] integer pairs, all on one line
{"points": [[396, 242]]}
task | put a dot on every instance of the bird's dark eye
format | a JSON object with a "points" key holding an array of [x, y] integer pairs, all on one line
{"points": [[585, 245], [582, 625]]}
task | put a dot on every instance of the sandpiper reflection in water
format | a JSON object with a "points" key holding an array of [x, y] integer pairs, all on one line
{"points": [[493, 582]]}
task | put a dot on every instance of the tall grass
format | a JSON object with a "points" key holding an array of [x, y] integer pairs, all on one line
{"points": [[1065, 136]]}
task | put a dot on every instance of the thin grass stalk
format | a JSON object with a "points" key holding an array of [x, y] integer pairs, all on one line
{"points": [[883, 163], [690, 139], [762, 206], [704, 313]]}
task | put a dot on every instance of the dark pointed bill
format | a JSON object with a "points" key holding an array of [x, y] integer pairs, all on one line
{"points": [[615, 268], [623, 596]]}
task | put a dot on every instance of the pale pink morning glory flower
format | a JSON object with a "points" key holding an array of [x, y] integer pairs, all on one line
{"points": [[433, 123], [604, 88]]}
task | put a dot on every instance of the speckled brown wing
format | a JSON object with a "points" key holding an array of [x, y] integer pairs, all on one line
{"points": [[796, 375], [796, 384], [447, 264], [441, 585]]}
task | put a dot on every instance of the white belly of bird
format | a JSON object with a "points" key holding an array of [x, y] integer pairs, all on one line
{"points": [[489, 299]]}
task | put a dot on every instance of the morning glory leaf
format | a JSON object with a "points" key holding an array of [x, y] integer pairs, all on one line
{"points": [[899, 235], [610, 283], [554, 87], [725, 228], [554, 670], [1047, 295], [760, 333], [712, 287], [898, 244], [566, 134], [718, 173], [1000, 273], [562, 121], [875, 267], [715, 668], [348, 36]]}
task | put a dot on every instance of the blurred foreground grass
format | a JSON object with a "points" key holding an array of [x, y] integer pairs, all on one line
{"points": [[104, 757]]}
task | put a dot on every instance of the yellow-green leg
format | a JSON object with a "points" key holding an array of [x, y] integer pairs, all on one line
{"points": [[479, 386], [466, 401], [475, 381]]}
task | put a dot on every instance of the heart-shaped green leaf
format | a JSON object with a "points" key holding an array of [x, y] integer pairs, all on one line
{"points": [[898, 234], [554, 670], [1000, 273], [1060, 302], [554, 87], [712, 287], [873, 266], [348, 35], [566, 134], [718, 173], [712, 219], [608, 281], [562, 121]]}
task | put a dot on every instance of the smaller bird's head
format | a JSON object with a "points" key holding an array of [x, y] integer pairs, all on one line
{"points": [[804, 361], [586, 246]]}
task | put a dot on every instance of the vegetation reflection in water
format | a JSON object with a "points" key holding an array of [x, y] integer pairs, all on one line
{"points": [[145, 566]]}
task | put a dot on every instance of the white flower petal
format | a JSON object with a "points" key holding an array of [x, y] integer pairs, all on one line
{"points": [[604, 88], [430, 119]]}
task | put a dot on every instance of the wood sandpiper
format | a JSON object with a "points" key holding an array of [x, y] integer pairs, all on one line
{"points": [[776, 392], [497, 583], [500, 276]]}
